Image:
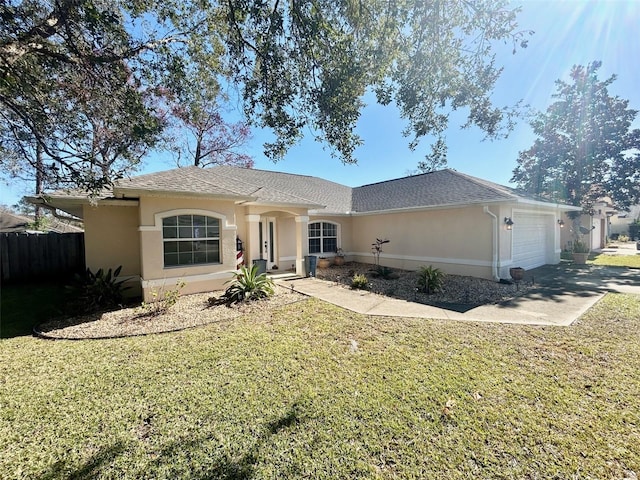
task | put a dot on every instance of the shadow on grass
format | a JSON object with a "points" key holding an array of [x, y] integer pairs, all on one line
{"points": [[234, 465], [230, 467], [90, 469], [23, 306]]}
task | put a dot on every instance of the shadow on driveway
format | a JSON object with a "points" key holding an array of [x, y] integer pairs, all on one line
{"points": [[560, 283]]}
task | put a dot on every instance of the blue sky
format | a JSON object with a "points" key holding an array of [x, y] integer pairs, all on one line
{"points": [[566, 33]]}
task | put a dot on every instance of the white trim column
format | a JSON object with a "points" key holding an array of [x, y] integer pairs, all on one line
{"points": [[302, 243], [252, 250]]}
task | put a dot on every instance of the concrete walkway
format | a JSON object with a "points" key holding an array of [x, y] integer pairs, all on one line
{"points": [[563, 293]]}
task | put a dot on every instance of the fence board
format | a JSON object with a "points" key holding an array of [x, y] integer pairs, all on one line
{"points": [[36, 257]]}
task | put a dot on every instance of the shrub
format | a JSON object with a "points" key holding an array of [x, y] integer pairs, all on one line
{"points": [[248, 285], [97, 291], [430, 279], [383, 272], [623, 238], [580, 247], [162, 301], [359, 282]]}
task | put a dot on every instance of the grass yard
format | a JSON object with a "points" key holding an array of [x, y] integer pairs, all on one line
{"points": [[314, 391], [616, 260]]}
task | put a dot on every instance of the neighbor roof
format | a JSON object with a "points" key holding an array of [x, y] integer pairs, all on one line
{"points": [[13, 223]]}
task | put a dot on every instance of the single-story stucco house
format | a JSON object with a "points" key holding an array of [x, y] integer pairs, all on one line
{"points": [[185, 223], [594, 227]]}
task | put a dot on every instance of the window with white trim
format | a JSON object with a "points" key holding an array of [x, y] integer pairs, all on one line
{"points": [[323, 237], [190, 240]]}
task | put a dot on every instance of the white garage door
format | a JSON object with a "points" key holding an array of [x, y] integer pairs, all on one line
{"points": [[530, 244]]}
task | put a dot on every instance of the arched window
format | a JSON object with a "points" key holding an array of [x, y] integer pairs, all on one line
{"points": [[323, 237], [190, 240]]}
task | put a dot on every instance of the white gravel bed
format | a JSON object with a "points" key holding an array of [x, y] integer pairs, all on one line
{"points": [[190, 311], [457, 289]]}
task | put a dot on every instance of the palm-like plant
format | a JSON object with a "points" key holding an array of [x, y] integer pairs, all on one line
{"points": [[430, 279], [97, 291], [247, 285]]}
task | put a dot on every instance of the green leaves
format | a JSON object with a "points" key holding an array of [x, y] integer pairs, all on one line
{"points": [[309, 65], [430, 279], [298, 67], [248, 285]]}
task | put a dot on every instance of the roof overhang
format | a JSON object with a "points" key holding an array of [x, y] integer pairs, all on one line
{"points": [[308, 206], [446, 206], [540, 203], [73, 205], [119, 192]]}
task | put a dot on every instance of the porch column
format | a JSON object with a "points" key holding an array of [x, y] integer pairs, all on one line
{"points": [[302, 243], [252, 250]]}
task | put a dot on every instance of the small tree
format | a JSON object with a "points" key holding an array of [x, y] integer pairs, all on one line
{"points": [[207, 139], [376, 249]]}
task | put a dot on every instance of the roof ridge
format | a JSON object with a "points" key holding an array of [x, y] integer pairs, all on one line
{"points": [[203, 179], [258, 187], [485, 183], [399, 178], [283, 173]]}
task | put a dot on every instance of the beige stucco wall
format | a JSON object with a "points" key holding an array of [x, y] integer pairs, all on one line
{"points": [[286, 227], [457, 240], [111, 239]]}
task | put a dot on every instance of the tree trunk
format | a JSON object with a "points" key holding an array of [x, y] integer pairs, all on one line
{"points": [[39, 175]]}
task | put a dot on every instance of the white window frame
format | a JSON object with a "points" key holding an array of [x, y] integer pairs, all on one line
{"points": [[322, 236], [191, 239]]}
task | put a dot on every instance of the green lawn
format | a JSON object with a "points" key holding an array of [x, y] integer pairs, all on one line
{"points": [[616, 260], [313, 391]]}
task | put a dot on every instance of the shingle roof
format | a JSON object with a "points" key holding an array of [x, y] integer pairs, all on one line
{"points": [[436, 189], [260, 186], [444, 187]]}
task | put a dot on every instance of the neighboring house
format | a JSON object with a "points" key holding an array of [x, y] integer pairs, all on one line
{"points": [[621, 220], [183, 224], [13, 223], [594, 228]]}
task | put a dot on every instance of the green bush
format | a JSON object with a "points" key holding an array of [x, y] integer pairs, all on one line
{"points": [[101, 290], [430, 279], [248, 285], [580, 247], [359, 282], [623, 238]]}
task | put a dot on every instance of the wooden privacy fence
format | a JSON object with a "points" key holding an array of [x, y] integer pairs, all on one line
{"points": [[40, 256]]}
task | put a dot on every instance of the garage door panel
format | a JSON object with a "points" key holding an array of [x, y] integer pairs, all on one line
{"points": [[530, 240]]}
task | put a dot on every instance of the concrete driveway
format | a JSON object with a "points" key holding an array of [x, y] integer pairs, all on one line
{"points": [[561, 294]]}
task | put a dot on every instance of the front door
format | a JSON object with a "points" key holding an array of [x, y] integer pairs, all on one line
{"points": [[268, 241]]}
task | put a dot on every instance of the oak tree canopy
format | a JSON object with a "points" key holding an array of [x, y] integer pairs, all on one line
{"points": [[87, 80]]}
